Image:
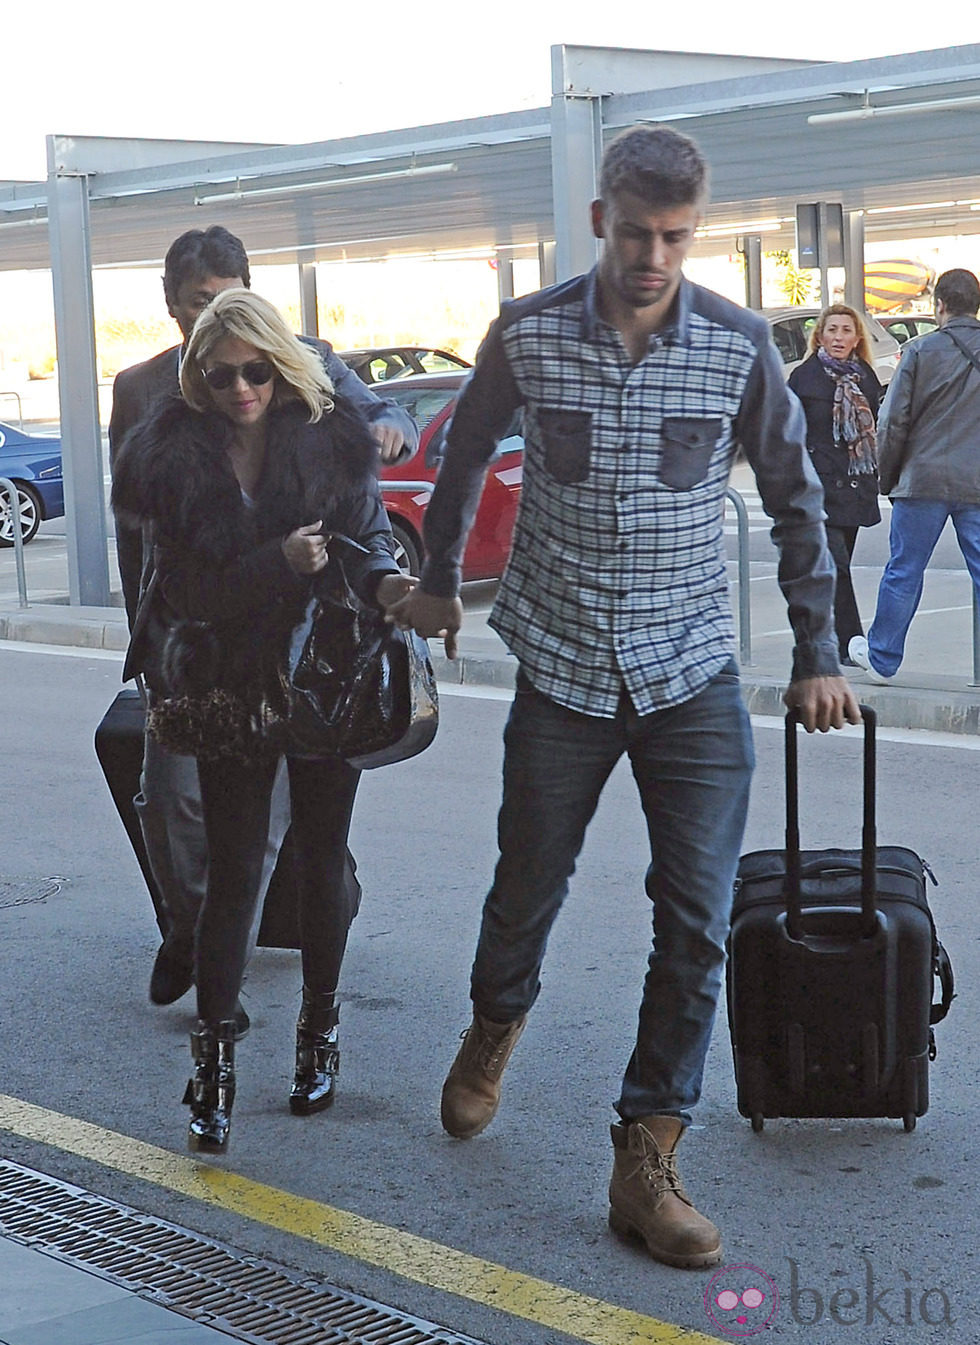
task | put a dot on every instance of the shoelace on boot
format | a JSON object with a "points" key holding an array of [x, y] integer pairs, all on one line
{"points": [[488, 1055], [660, 1171]]}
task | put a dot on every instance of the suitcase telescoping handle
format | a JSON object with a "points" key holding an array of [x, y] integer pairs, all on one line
{"points": [[869, 843]]}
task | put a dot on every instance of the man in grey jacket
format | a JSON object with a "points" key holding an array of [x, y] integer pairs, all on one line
{"points": [[929, 463]]}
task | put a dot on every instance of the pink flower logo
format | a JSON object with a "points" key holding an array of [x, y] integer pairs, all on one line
{"points": [[741, 1300]]}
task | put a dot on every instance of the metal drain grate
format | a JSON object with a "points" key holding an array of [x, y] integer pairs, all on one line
{"points": [[204, 1280], [22, 891]]}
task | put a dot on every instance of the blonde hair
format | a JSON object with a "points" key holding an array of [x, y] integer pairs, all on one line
{"points": [[863, 348], [246, 316]]}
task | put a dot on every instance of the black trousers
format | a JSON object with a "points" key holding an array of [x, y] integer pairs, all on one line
{"points": [[840, 544], [235, 799]]}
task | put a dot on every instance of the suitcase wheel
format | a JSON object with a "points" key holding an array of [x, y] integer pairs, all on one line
{"points": [[908, 1121], [758, 1121]]}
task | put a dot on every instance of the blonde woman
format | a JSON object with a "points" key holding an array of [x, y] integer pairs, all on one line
{"points": [[840, 393], [238, 480]]}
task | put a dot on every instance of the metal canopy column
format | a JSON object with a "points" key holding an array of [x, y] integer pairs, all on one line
{"points": [[505, 274], [750, 246], [576, 149], [854, 260], [309, 316], [81, 436], [546, 263]]}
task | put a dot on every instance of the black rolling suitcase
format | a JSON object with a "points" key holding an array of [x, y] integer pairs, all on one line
{"points": [[119, 748], [832, 960]]}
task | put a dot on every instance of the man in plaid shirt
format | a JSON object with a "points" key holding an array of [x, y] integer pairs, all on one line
{"points": [[635, 386]]}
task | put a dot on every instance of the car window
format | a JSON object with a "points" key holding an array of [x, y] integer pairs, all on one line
{"points": [[786, 341], [902, 331], [434, 362], [384, 367], [424, 404], [806, 327]]}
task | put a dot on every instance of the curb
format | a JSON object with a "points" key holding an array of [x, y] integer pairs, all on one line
{"points": [[63, 626], [945, 707], [940, 710]]}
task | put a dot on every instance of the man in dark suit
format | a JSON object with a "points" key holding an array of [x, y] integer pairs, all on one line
{"points": [[199, 265]]}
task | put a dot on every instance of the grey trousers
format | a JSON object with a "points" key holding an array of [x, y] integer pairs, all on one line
{"points": [[169, 810]]}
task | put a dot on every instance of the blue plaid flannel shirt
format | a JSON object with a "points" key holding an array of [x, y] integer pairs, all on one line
{"points": [[617, 568]]}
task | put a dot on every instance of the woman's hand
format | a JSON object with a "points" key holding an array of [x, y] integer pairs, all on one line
{"points": [[392, 588], [306, 549]]}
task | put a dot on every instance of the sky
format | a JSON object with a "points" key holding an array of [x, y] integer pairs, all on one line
{"points": [[269, 71]]}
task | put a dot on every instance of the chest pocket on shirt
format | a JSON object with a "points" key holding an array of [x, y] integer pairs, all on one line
{"points": [[687, 445], [566, 437]]}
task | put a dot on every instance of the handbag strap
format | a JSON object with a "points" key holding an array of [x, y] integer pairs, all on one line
{"points": [[964, 347], [348, 541]]}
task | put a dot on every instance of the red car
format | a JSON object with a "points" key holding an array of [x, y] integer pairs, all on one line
{"points": [[430, 398]]}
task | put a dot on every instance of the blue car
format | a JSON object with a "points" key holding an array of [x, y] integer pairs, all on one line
{"points": [[33, 463]]}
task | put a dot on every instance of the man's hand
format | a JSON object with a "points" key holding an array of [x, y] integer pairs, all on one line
{"points": [[390, 440], [823, 702], [430, 616]]}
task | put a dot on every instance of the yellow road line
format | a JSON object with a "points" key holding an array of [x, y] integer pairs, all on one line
{"points": [[430, 1263]]}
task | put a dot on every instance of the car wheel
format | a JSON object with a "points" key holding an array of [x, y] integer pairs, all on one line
{"points": [[408, 550], [30, 515]]}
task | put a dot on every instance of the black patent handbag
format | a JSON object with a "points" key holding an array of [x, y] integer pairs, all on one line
{"points": [[356, 686]]}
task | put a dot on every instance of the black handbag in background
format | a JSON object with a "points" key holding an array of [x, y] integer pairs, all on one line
{"points": [[356, 686]]}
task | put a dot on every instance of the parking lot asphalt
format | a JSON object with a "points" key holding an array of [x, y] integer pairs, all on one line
{"points": [[50, 1301]]}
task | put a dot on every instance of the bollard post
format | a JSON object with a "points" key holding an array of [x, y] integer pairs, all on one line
{"points": [[18, 540], [744, 596]]}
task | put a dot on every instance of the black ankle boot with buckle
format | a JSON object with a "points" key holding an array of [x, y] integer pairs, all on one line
{"points": [[210, 1090], [317, 1054]]}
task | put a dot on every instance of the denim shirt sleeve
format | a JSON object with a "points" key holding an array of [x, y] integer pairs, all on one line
{"points": [[485, 408], [772, 430]]}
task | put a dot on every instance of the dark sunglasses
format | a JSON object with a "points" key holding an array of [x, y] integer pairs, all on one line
{"points": [[255, 373]]}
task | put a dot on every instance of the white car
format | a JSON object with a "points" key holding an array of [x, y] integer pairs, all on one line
{"points": [[791, 328]]}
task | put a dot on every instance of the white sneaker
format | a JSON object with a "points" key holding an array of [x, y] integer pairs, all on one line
{"points": [[857, 649]]}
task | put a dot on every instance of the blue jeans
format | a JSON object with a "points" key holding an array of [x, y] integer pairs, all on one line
{"points": [[692, 764], [915, 529]]}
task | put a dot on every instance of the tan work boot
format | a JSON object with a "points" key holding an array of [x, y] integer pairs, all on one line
{"points": [[471, 1093], [647, 1199]]}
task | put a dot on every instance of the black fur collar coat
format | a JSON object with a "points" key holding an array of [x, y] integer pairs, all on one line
{"points": [[219, 599]]}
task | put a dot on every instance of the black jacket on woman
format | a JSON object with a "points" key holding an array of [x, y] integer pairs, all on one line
{"points": [[214, 618], [850, 501]]}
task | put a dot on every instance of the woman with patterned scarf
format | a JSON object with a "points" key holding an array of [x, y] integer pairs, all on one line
{"points": [[840, 394]]}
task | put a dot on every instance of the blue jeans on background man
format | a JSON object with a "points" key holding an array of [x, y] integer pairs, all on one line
{"points": [[692, 764], [915, 529]]}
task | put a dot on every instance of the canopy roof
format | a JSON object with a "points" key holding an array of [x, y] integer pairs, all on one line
{"points": [[907, 156]]}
